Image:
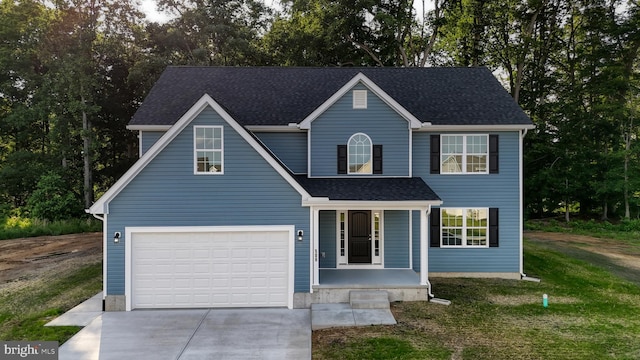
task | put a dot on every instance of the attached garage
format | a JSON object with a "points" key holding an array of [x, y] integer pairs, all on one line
{"points": [[208, 267]]}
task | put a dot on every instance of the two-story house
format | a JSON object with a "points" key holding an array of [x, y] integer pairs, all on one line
{"points": [[282, 187]]}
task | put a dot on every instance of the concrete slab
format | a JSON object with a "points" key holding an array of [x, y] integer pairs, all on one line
{"points": [[81, 315], [85, 345], [365, 317], [324, 316], [252, 334], [194, 334]]}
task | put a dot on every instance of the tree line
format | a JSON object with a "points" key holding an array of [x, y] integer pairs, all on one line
{"points": [[73, 72]]}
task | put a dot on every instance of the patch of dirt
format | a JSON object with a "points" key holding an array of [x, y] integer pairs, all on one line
{"points": [[44, 256], [619, 257]]}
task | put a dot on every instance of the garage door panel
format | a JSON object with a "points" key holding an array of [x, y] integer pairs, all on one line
{"points": [[210, 269]]}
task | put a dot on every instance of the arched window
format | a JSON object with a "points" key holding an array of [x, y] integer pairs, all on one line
{"points": [[359, 154]]}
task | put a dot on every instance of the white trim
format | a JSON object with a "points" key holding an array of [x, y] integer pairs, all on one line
{"points": [[315, 261], [196, 150], [410, 153], [274, 128], [446, 128], [359, 99], [410, 239], [149, 127], [309, 153], [370, 155], [105, 258], [139, 144], [464, 229], [361, 78], [521, 199], [203, 229], [326, 204], [101, 205], [424, 249]]}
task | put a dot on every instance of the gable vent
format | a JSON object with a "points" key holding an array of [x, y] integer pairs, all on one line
{"points": [[359, 99]]}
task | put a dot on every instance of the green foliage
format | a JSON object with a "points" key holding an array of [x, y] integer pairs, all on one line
{"points": [[18, 227], [53, 199], [626, 230]]}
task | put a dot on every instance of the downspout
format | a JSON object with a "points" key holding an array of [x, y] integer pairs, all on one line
{"points": [[523, 276]]}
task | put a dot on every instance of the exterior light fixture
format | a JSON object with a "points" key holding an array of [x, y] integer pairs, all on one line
{"points": [[300, 235], [116, 237]]}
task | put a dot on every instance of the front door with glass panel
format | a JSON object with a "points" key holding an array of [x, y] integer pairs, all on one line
{"points": [[359, 237]]}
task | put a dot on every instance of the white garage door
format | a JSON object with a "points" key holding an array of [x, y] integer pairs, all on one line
{"points": [[210, 267]]}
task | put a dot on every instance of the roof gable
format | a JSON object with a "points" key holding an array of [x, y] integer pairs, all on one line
{"points": [[360, 78], [101, 205], [278, 96]]}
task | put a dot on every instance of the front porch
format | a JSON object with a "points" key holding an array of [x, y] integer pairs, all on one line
{"points": [[336, 284]]}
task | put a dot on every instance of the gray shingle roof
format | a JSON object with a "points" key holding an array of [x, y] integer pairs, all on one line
{"points": [[283, 95], [368, 189]]}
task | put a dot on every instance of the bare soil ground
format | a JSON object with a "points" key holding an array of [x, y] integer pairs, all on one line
{"points": [[45, 256]]}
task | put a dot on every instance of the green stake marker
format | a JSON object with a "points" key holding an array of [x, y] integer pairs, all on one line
{"points": [[545, 300]]}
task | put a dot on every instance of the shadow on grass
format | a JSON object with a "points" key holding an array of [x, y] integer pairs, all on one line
{"points": [[602, 261]]}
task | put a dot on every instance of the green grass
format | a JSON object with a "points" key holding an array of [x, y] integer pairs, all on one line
{"points": [[18, 227], [592, 314], [24, 309], [627, 231]]}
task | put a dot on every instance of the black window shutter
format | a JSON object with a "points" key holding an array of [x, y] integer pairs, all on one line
{"points": [[493, 227], [342, 159], [377, 159], [435, 227], [435, 154], [493, 154]]}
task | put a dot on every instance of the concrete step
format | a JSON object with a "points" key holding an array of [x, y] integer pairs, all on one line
{"points": [[369, 299]]}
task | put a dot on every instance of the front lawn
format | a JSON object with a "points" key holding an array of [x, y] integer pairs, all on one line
{"points": [[592, 314]]}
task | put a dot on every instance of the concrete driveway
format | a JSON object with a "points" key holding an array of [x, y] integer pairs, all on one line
{"points": [[194, 334]]}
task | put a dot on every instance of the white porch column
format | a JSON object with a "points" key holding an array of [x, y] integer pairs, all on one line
{"points": [[424, 248], [315, 228]]}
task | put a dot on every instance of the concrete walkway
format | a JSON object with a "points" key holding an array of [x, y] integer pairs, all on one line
{"points": [[204, 333]]}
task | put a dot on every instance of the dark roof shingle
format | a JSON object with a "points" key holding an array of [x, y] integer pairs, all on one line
{"points": [[283, 95], [368, 189]]}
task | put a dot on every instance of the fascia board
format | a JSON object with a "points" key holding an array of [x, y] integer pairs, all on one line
{"points": [[101, 205], [361, 78], [149, 127], [440, 128]]}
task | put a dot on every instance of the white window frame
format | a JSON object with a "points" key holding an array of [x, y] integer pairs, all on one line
{"points": [[196, 150], [465, 154], [342, 253], [464, 228], [349, 172]]}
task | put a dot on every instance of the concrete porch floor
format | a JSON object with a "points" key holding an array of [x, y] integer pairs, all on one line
{"points": [[368, 278]]}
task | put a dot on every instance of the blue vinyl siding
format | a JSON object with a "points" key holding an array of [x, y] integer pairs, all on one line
{"points": [[290, 148], [396, 239], [328, 239], [167, 193], [148, 139], [381, 123], [487, 190]]}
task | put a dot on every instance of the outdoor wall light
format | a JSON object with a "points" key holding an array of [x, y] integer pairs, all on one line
{"points": [[116, 237], [300, 234]]}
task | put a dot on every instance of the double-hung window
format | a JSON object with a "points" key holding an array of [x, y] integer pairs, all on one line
{"points": [[464, 154], [208, 150], [465, 227]]}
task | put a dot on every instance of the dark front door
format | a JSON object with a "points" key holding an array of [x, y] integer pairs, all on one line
{"points": [[359, 237]]}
